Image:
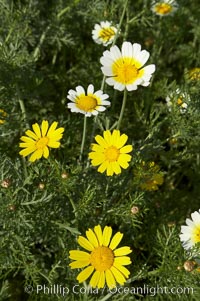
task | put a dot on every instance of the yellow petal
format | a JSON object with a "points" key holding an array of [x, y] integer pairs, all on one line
{"points": [[115, 137], [122, 140], [101, 141], [122, 251], [52, 129], [107, 137], [79, 255], [116, 168], [95, 279], [102, 279], [36, 129], [96, 158], [83, 242], [109, 170], [57, 134], [118, 276], [27, 144], [107, 233], [46, 152], [97, 148], [28, 139], [85, 274], [122, 269], [123, 260], [123, 160], [31, 134], [36, 155], [53, 143], [99, 234], [78, 264], [110, 280], [103, 167], [44, 127], [126, 149], [115, 240], [27, 151], [92, 238]]}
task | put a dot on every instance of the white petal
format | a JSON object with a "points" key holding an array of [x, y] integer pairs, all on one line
{"points": [[119, 86], [131, 87], [136, 49], [149, 69], [127, 49], [110, 81], [107, 71], [143, 57], [80, 90], [115, 52], [106, 61], [90, 89]]}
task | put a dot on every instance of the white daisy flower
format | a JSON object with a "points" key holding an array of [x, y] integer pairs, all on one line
{"points": [[178, 99], [164, 7], [104, 33], [90, 103], [190, 234], [124, 67]]}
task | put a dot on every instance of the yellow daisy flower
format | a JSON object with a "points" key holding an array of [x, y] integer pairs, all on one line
{"points": [[104, 33], [111, 153], [103, 258], [125, 68], [39, 140], [3, 115], [164, 7]]}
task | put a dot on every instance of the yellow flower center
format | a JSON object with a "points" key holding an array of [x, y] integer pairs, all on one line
{"points": [[106, 34], [42, 142], [102, 258], [126, 70], [196, 234], [179, 101], [112, 153], [163, 8], [86, 103]]}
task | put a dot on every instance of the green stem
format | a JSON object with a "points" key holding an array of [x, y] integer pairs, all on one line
{"points": [[122, 109], [120, 23], [83, 138], [23, 110]]}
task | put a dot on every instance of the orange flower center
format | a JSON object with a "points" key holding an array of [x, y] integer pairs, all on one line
{"points": [[163, 8], [106, 34], [112, 153], [102, 258], [86, 103], [42, 142]]}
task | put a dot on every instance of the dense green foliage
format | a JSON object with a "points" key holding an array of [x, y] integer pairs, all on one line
{"points": [[46, 49]]}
